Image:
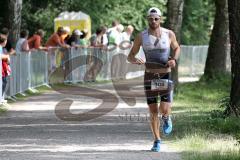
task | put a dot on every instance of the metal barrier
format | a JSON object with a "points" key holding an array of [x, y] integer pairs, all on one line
{"points": [[96, 64], [30, 70], [38, 69], [192, 60]]}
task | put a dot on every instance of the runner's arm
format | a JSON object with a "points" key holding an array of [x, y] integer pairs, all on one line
{"points": [[174, 45], [135, 49]]}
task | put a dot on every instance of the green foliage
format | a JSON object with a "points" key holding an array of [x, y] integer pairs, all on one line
{"points": [[212, 156], [199, 133], [2, 109], [127, 12], [195, 104], [198, 19], [198, 16], [40, 14]]}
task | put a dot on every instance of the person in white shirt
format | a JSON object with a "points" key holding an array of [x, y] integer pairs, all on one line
{"points": [[22, 43], [127, 34], [104, 36], [126, 38], [119, 34]]}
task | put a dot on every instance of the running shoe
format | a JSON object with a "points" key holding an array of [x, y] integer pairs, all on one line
{"points": [[167, 124], [156, 146]]}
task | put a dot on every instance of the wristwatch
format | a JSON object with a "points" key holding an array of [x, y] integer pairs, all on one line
{"points": [[174, 60]]}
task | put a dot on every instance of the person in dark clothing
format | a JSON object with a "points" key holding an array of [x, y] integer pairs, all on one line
{"points": [[8, 49], [74, 40]]}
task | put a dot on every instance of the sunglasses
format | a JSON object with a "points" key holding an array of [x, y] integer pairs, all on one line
{"points": [[153, 19]]}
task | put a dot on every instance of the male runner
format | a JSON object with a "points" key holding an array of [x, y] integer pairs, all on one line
{"points": [[157, 42]]}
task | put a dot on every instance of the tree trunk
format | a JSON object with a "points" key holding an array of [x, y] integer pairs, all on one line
{"points": [[234, 28], [174, 22], [14, 19], [218, 46]]}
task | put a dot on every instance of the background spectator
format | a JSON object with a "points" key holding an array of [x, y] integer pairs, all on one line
{"points": [[8, 49], [5, 67], [83, 40], [36, 40], [22, 43], [74, 40], [126, 36], [55, 40]]}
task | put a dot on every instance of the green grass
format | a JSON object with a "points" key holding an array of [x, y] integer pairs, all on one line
{"points": [[212, 156], [200, 131], [29, 93], [2, 109]]}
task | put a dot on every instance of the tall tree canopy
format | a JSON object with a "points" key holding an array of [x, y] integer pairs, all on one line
{"points": [[198, 18], [197, 21], [41, 13]]}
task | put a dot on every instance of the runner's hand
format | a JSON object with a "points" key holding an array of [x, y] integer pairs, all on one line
{"points": [[171, 63], [138, 61]]}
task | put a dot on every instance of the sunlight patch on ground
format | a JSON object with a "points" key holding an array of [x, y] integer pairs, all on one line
{"points": [[74, 148], [212, 143]]}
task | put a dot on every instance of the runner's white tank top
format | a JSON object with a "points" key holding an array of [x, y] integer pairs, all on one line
{"points": [[156, 50]]}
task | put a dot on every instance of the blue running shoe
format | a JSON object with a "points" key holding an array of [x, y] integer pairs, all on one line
{"points": [[167, 125], [156, 146]]}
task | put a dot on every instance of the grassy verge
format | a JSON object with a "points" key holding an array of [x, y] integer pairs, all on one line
{"points": [[2, 109], [28, 93], [200, 131], [23, 96]]}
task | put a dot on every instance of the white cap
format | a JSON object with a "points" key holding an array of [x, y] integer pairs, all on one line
{"points": [[67, 29], [154, 11], [77, 32]]}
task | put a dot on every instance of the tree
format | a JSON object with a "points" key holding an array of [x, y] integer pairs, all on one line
{"points": [[42, 13], [174, 22], [14, 19], [127, 12], [198, 17], [234, 28], [218, 46]]}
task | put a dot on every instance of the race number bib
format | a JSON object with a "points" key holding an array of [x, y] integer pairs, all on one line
{"points": [[160, 84]]}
